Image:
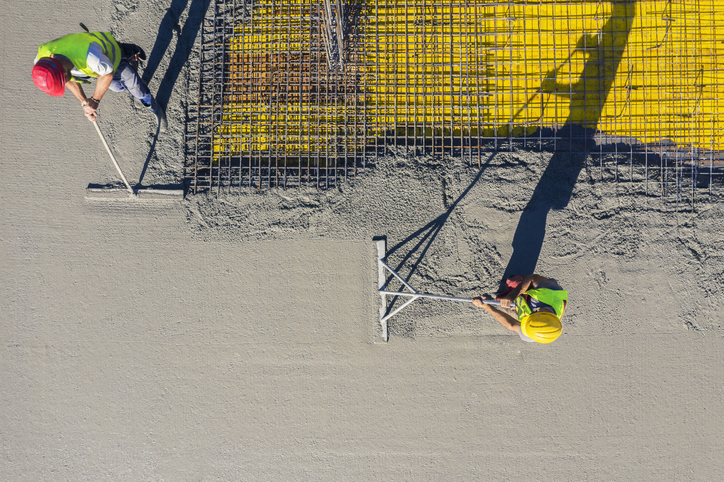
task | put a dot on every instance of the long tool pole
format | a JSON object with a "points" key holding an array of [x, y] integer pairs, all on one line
{"points": [[436, 297], [115, 163], [412, 295]]}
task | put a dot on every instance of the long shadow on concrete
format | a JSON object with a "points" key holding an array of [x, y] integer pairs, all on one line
{"points": [[184, 44], [555, 187]]}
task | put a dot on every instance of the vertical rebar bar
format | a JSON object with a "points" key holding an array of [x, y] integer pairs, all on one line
{"points": [[378, 81], [478, 84], [510, 19], [423, 68]]}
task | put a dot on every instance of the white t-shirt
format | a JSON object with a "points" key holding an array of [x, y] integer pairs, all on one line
{"points": [[96, 60]]}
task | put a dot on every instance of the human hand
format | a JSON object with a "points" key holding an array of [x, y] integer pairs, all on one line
{"points": [[479, 301], [505, 303], [90, 109]]}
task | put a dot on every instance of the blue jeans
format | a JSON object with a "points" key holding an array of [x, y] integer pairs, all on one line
{"points": [[125, 79]]}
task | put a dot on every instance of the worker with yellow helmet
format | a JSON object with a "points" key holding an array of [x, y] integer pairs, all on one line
{"points": [[539, 306]]}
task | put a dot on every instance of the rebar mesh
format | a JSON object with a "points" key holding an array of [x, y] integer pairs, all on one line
{"points": [[308, 91]]}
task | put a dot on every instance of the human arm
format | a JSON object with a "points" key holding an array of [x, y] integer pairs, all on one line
{"points": [[91, 108], [77, 90], [503, 318], [530, 280], [104, 81], [90, 105], [99, 63]]}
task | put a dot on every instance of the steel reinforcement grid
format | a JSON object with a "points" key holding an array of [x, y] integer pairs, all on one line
{"points": [[309, 92]]}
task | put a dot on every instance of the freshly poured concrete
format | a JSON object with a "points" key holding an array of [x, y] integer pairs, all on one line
{"points": [[236, 338]]}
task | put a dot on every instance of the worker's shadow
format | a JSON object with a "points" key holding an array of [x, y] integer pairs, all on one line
{"points": [[184, 43], [604, 52], [186, 36]]}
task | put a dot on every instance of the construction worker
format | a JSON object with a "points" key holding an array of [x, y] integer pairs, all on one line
{"points": [[76, 58], [539, 306]]}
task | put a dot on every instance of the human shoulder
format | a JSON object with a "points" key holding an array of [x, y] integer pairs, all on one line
{"points": [[97, 61], [537, 281], [548, 283]]}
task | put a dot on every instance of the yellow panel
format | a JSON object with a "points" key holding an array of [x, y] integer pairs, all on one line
{"points": [[646, 70]]}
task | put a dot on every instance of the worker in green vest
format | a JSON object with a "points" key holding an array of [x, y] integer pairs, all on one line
{"points": [[539, 306], [75, 59]]}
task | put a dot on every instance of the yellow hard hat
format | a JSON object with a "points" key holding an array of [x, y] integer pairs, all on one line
{"points": [[541, 326]]}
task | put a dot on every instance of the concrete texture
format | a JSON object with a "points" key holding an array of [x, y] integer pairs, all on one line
{"points": [[235, 339]]}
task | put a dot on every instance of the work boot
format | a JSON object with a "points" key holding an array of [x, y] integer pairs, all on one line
{"points": [[156, 108]]}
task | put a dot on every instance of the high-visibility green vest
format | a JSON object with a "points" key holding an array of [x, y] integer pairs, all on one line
{"points": [[75, 47], [557, 299]]}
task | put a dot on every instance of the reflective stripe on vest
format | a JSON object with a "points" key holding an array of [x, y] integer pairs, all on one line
{"points": [[75, 48], [557, 299]]}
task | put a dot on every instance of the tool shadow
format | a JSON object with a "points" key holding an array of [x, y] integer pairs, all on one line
{"points": [[424, 237], [186, 37], [148, 157]]}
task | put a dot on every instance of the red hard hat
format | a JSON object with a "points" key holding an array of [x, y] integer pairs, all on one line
{"points": [[49, 76]]}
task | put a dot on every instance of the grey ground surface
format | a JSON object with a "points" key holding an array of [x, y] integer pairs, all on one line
{"points": [[235, 337]]}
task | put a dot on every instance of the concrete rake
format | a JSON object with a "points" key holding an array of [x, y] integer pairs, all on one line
{"points": [[105, 193], [413, 294]]}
